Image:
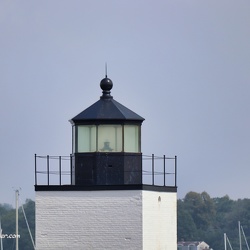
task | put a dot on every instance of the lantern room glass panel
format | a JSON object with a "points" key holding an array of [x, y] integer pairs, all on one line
{"points": [[86, 138], [109, 138], [131, 138]]}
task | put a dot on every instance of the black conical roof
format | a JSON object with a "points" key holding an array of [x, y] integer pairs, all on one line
{"points": [[107, 109]]}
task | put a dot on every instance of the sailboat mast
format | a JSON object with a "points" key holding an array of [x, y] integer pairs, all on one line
{"points": [[225, 241], [240, 236], [1, 235], [17, 194]]}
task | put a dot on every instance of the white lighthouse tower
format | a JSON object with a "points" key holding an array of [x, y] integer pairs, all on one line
{"points": [[106, 204]]}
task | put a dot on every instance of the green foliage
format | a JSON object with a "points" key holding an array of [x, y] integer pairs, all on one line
{"points": [[8, 223], [202, 218], [201, 208], [185, 223]]}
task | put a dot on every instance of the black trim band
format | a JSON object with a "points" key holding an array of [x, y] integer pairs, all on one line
{"points": [[170, 189]]}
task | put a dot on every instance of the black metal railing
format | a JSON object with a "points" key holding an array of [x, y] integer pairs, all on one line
{"points": [[159, 170], [58, 170]]}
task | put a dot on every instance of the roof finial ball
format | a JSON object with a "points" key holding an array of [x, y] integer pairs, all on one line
{"points": [[106, 85]]}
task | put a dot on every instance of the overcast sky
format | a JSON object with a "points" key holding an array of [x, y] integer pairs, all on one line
{"points": [[182, 65]]}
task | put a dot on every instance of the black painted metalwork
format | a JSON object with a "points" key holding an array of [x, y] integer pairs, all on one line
{"points": [[71, 170], [106, 110], [107, 168], [47, 168], [170, 189], [175, 162], [153, 170], [99, 169], [35, 172], [164, 166], [60, 169], [111, 167]]}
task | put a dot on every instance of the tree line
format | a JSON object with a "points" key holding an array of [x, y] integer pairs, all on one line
{"points": [[8, 225], [202, 218], [199, 218]]}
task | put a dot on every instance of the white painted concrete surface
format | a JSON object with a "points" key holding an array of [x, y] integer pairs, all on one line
{"points": [[121, 219]]}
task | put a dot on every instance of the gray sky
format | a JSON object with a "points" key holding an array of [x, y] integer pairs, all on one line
{"points": [[182, 65]]}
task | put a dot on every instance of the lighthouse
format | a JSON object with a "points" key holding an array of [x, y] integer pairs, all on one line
{"points": [[106, 202]]}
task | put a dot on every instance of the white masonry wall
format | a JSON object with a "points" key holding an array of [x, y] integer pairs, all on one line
{"points": [[124, 219], [84, 220], [159, 220]]}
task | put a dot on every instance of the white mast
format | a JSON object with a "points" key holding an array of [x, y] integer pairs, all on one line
{"points": [[1, 235], [17, 194], [225, 241], [240, 235]]}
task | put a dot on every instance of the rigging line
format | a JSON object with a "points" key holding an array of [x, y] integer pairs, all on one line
{"points": [[229, 243], [244, 237], [28, 227]]}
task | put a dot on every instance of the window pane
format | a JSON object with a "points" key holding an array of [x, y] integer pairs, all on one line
{"points": [[131, 138], [86, 138], [110, 138]]}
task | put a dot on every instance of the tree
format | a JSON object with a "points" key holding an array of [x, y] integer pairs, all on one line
{"points": [[186, 228], [201, 208], [8, 216], [203, 218]]}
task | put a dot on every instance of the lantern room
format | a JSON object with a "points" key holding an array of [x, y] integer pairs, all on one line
{"points": [[106, 143]]}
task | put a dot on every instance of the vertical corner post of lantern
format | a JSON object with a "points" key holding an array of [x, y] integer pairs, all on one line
{"points": [[175, 166], [35, 172]]}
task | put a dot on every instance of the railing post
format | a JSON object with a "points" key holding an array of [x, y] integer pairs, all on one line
{"points": [[60, 170], [153, 167], [141, 169], [164, 163], [175, 166], [35, 172], [48, 168], [71, 175]]}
